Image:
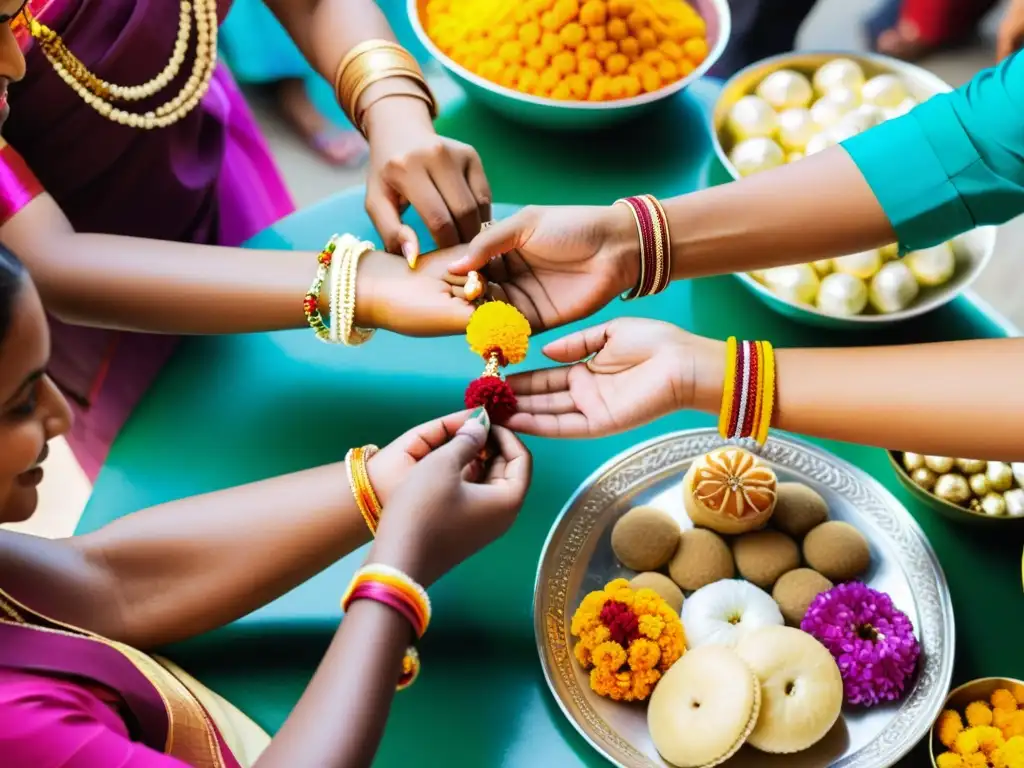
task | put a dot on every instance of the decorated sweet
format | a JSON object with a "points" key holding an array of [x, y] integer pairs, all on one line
{"points": [[796, 127], [729, 490], [704, 708], [755, 155], [838, 73], [662, 584], [786, 89], [841, 294], [871, 640], [892, 288], [500, 334], [913, 461], [626, 639], [796, 282], [645, 538], [952, 488], [940, 465], [932, 266], [801, 689], [993, 734], [751, 117], [578, 50], [886, 91], [817, 143], [837, 551], [863, 265], [724, 612], [701, 559], [795, 591], [763, 556], [798, 509]]}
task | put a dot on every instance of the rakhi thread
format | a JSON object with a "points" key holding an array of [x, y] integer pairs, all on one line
{"points": [[500, 334], [748, 392]]}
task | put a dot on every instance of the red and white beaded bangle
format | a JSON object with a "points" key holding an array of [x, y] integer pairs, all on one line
{"points": [[655, 245]]}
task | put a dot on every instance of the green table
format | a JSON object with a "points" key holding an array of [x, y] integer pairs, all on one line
{"points": [[229, 410]]}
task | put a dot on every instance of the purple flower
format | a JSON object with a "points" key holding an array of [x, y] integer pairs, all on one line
{"points": [[871, 640]]}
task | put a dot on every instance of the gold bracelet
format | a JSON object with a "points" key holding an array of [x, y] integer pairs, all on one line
{"points": [[363, 79], [359, 482], [366, 63], [360, 119], [348, 332]]}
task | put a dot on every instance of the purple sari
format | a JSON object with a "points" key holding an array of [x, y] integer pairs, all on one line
{"points": [[209, 178]]}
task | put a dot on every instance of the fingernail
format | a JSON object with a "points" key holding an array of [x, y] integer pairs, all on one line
{"points": [[409, 251], [480, 414]]}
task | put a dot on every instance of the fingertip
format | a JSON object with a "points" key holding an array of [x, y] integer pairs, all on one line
{"points": [[409, 244]]}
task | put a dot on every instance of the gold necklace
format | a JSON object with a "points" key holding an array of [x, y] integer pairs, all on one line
{"points": [[100, 95]]}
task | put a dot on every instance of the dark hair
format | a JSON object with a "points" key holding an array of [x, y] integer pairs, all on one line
{"points": [[12, 278]]}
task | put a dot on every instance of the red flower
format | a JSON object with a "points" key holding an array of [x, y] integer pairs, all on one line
{"points": [[494, 394], [621, 622]]}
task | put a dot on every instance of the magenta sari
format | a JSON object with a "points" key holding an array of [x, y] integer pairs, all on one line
{"points": [[209, 178]]}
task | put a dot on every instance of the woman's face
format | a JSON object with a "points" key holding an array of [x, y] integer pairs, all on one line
{"points": [[32, 410], [12, 61]]}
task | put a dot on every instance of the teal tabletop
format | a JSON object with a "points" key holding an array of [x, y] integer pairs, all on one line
{"points": [[230, 410]]}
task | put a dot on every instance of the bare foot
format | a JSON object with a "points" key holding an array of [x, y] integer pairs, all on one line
{"points": [[333, 144]]}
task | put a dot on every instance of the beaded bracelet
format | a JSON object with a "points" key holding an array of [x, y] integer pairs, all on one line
{"points": [[338, 260], [748, 392], [359, 481], [311, 301], [655, 245]]}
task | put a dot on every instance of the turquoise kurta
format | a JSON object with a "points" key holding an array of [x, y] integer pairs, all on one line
{"points": [[953, 163]]}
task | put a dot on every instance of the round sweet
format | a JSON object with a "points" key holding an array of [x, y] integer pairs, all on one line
{"points": [[837, 551], [752, 117], [1014, 502], [801, 689], [763, 556], [797, 282], [729, 490], [940, 465], [662, 585], [901, 109], [796, 127], [817, 143], [1017, 468], [924, 477], [932, 266], [645, 538], [886, 91], [830, 108], [703, 709], [723, 612], [890, 251], [702, 558], [863, 265], [993, 505], [756, 155], [838, 73], [798, 509], [999, 476], [842, 295], [892, 288], [971, 466], [786, 89], [913, 461], [952, 488], [822, 267], [794, 592]]}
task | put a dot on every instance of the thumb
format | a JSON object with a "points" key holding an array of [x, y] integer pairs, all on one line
{"points": [[579, 345], [501, 237], [467, 443]]}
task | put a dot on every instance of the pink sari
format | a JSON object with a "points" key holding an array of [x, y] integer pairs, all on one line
{"points": [[209, 178]]}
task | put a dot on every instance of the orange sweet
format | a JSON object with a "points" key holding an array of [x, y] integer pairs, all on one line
{"points": [[730, 490], [596, 50]]}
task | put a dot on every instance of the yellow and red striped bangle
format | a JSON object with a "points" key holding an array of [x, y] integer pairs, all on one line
{"points": [[655, 245], [748, 392], [359, 481]]}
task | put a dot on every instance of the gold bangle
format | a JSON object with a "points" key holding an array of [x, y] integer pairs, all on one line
{"points": [[370, 77], [359, 482], [367, 60], [360, 121], [349, 333], [358, 50]]}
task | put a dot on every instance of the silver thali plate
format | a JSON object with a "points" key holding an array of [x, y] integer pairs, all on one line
{"points": [[577, 559]]}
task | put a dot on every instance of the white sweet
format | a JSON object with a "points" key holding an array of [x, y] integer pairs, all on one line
{"points": [[932, 266], [830, 108], [1018, 472], [822, 266], [797, 283], [756, 155], [889, 252], [786, 89], [842, 295], [838, 73], [863, 265], [818, 142], [752, 117], [857, 121], [887, 91], [796, 127], [893, 288], [1014, 502], [901, 109], [723, 612]]}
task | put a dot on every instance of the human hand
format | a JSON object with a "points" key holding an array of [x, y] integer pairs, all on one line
{"points": [[442, 179], [453, 503], [640, 370], [1011, 30], [557, 263]]}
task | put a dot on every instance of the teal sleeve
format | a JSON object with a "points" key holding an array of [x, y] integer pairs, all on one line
{"points": [[954, 162]]}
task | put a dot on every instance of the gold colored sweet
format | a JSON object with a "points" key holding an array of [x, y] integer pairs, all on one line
{"points": [[953, 488], [1000, 476], [893, 288], [912, 461], [864, 265], [797, 282], [822, 266], [886, 91], [994, 504], [1014, 499], [971, 466], [1018, 472], [940, 465], [932, 266], [979, 484], [842, 295], [730, 490], [786, 89], [751, 118], [924, 477], [756, 155]]}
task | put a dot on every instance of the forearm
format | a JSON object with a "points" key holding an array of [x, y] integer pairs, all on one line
{"points": [[355, 685], [239, 549], [951, 399]]}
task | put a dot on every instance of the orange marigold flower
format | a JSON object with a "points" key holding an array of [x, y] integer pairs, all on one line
{"points": [[582, 620], [948, 726], [596, 635], [978, 713], [1003, 699], [608, 656], [1018, 694], [966, 743], [949, 760], [1016, 724], [643, 684], [977, 760], [582, 654], [651, 626], [644, 655], [989, 738], [1001, 718], [646, 602]]}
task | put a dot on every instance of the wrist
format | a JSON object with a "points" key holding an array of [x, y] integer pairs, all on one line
{"points": [[367, 309], [386, 106], [705, 362], [403, 554], [622, 245]]}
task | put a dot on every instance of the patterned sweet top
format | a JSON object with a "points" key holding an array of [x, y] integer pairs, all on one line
{"points": [[734, 483]]}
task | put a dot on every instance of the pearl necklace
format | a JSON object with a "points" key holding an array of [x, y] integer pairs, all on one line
{"points": [[98, 93]]}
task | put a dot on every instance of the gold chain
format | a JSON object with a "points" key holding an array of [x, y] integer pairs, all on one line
{"points": [[99, 94]]}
